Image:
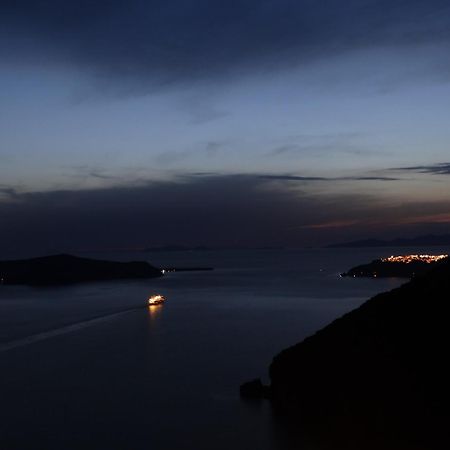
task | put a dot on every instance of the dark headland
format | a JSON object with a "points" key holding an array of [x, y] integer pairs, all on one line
{"points": [[65, 269], [378, 375]]}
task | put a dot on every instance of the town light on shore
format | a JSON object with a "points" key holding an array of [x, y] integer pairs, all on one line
{"points": [[406, 259]]}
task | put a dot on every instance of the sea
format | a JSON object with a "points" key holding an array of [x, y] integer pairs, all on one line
{"points": [[91, 366]]}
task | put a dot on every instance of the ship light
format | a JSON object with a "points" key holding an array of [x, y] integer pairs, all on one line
{"points": [[156, 299]]}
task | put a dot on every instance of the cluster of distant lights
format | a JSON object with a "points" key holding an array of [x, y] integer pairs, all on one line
{"points": [[406, 259]]}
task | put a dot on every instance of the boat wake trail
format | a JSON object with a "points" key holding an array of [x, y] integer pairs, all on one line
{"points": [[22, 342]]}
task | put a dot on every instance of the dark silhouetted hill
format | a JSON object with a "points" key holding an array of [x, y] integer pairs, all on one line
{"points": [[380, 370], [64, 269]]}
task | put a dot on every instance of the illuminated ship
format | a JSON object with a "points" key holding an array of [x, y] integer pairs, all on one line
{"points": [[156, 299]]}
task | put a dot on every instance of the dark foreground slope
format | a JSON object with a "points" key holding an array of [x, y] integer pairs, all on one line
{"points": [[382, 369], [63, 269]]}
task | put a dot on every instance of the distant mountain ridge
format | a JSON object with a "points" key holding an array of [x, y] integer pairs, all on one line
{"points": [[419, 241]]}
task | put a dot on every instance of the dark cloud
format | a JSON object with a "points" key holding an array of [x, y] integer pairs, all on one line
{"points": [[194, 210], [86, 172], [203, 174], [211, 210], [347, 143], [178, 39], [434, 169], [293, 178], [8, 192], [370, 178], [302, 178]]}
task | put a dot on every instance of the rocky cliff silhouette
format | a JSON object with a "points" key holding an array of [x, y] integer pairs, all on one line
{"points": [[380, 372]]}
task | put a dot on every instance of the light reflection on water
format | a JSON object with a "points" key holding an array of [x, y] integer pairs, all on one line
{"points": [[154, 311]]}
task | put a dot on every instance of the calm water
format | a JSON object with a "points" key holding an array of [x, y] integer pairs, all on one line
{"points": [[168, 377]]}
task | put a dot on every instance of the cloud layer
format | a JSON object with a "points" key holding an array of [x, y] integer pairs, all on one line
{"points": [[207, 210], [178, 40], [433, 169]]}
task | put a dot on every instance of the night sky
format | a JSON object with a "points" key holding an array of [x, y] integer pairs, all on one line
{"points": [[126, 124]]}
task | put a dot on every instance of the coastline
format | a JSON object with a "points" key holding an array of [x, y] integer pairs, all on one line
{"points": [[380, 366]]}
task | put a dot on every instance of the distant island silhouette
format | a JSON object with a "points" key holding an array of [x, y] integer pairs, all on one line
{"points": [[429, 240], [66, 269], [377, 375]]}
